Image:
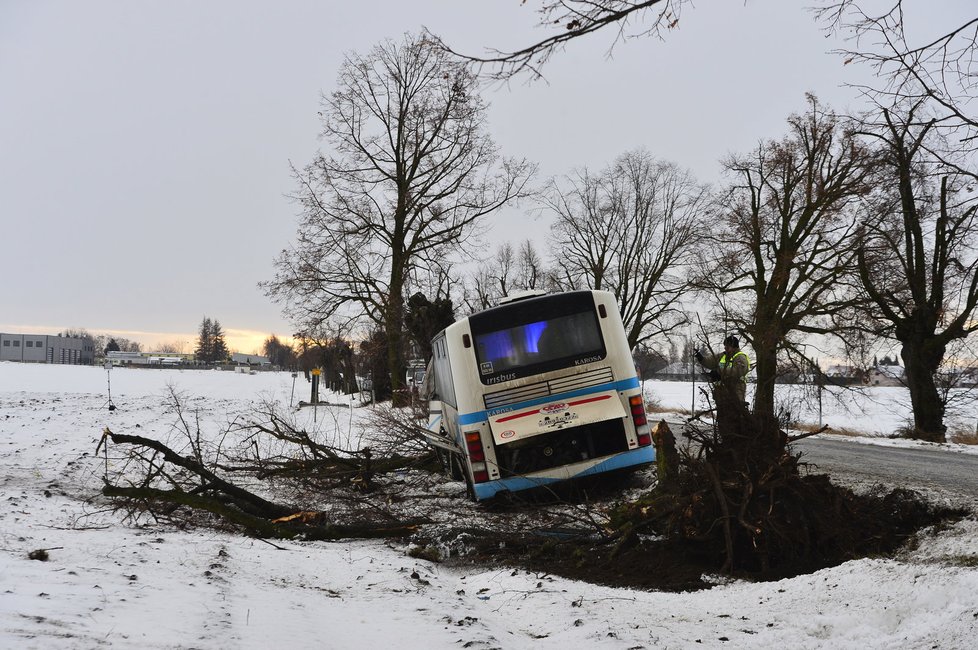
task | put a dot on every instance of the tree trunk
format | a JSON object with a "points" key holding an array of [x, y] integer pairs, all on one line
{"points": [[766, 367], [395, 361], [394, 325], [921, 362]]}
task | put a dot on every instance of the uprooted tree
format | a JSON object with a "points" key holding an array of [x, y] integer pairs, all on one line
{"points": [[742, 503]]}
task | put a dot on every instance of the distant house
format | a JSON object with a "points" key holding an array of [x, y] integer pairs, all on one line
{"points": [[44, 348], [250, 359], [886, 375], [881, 374], [678, 371], [119, 358], [841, 375]]}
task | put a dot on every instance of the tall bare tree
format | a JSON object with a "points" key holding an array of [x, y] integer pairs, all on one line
{"points": [[410, 173], [628, 229], [918, 260], [781, 260], [511, 269]]}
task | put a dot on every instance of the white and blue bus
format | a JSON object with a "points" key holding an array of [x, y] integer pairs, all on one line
{"points": [[538, 390]]}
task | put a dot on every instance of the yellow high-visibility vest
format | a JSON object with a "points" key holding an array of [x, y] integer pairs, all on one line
{"points": [[723, 362]]}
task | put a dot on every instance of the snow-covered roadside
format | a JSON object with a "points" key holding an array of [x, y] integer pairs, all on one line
{"points": [[109, 584]]}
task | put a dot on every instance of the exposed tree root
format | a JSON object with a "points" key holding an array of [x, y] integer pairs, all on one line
{"points": [[741, 505]]}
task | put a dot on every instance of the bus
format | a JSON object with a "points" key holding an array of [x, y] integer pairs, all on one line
{"points": [[534, 391]]}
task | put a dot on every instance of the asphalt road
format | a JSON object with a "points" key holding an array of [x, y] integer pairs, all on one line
{"points": [[922, 469]]}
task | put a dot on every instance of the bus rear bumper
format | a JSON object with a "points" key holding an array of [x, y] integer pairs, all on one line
{"points": [[625, 459]]}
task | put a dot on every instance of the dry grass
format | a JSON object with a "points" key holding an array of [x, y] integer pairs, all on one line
{"points": [[809, 428], [962, 437], [656, 408]]}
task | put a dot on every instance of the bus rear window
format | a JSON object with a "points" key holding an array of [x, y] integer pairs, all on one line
{"points": [[540, 345]]}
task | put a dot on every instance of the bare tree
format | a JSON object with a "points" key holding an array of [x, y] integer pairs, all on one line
{"points": [[781, 261], [279, 353], [939, 70], [916, 261], [628, 230], [173, 347], [530, 271], [917, 258], [509, 270], [102, 342], [411, 172]]}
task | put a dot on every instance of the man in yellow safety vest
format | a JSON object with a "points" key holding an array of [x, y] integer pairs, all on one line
{"points": [[728, 370]]}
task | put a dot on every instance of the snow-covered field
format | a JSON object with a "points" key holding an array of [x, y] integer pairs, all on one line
{"points": [[113, 585]]}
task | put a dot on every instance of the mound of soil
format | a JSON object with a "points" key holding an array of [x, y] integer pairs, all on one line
{"points": [[874, 525]]}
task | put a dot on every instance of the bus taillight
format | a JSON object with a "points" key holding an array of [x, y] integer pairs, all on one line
{"points": [[638, 410], [480, 472], [641, 420]]}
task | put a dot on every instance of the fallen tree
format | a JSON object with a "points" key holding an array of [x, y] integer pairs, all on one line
{"points": [[200, 473], [200, 489]]}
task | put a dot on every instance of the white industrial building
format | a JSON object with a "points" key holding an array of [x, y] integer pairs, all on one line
{"points": [[44, 348]]}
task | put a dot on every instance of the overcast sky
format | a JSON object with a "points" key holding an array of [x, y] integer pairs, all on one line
{"points": [[145, 146]]}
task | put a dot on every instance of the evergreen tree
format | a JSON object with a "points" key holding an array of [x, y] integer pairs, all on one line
{"points": [[425, 318], [112, 346], [219, 349], [205, 343]]}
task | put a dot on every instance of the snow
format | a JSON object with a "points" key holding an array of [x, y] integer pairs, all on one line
{"points": [[111, 584]]}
